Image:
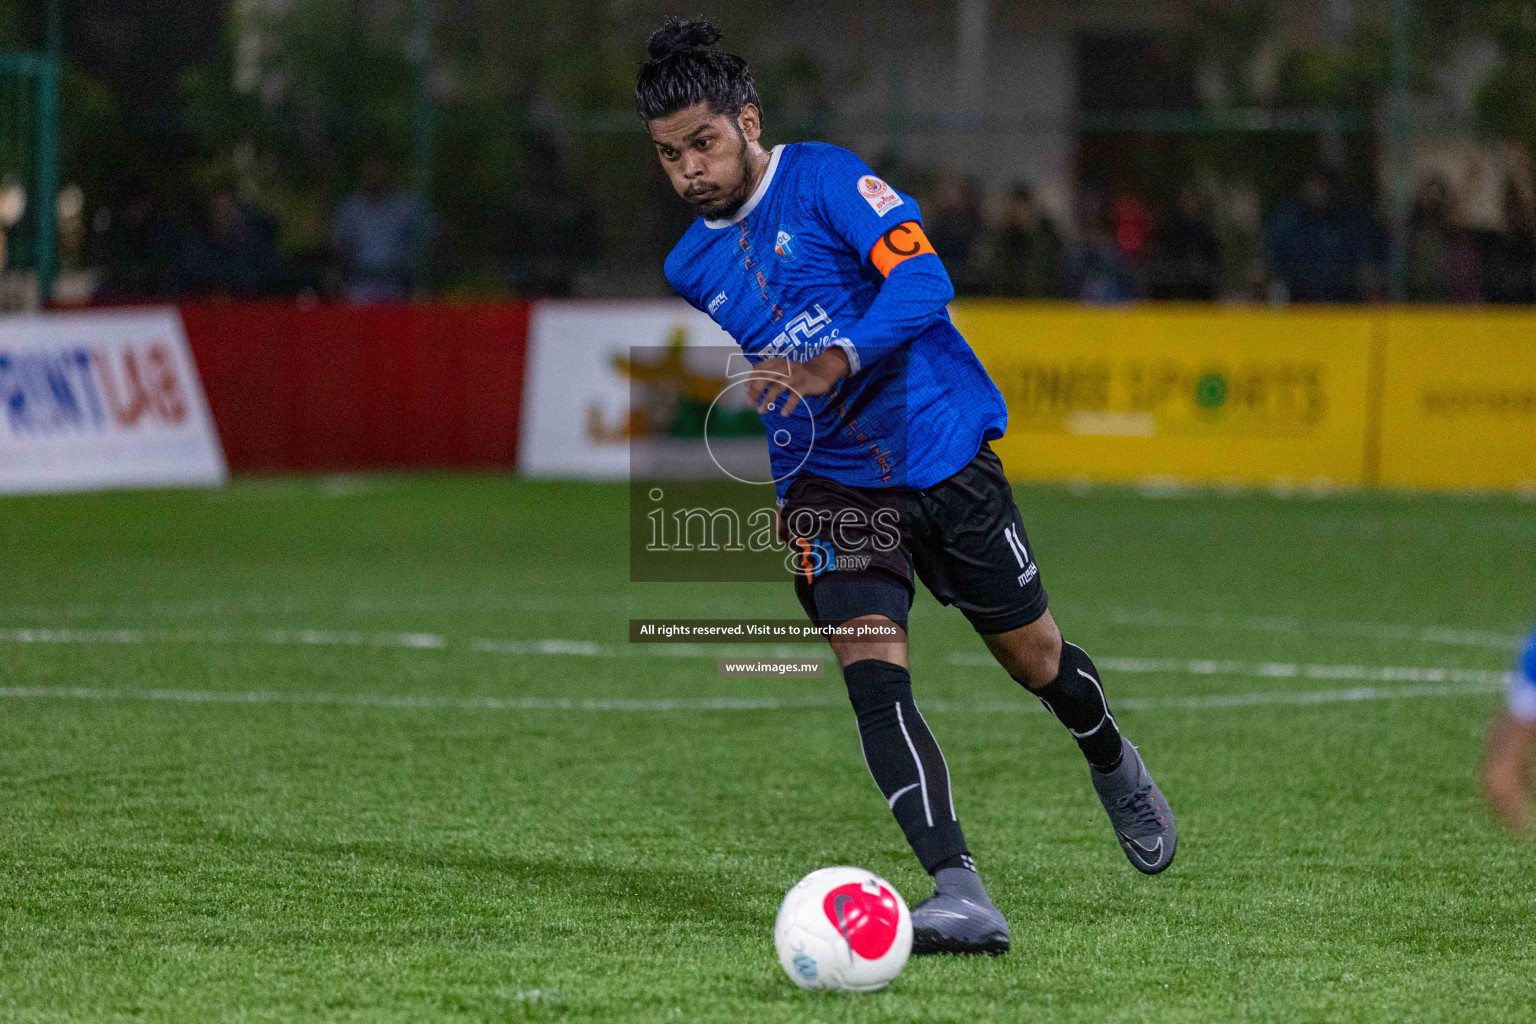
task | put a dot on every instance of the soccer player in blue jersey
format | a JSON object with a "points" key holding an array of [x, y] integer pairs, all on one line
{"points": [[1507, 774], [879, 417]]}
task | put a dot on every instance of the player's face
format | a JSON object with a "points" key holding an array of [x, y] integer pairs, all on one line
{"points": [[705, 154]]}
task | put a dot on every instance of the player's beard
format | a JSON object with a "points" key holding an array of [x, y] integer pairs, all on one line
{"points": [[726, 208]]}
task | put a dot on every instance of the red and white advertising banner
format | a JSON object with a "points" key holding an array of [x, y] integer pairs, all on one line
{"points": [[92, 401]]}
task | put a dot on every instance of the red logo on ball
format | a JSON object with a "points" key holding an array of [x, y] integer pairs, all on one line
{"points": [[867, 920]]}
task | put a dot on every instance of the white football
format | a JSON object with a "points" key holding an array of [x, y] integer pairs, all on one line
{"points": [[844, 929]]}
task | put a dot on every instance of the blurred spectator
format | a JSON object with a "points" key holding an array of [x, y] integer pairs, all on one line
{"points": [[1131, 223], [1184, 255], [233, 251], [1443, 261], [952, 222], [139, 248], [1239, 229], [1322, 248], [1021, 255], [1509, 257], [380, 236], [1100, 272], [548, 236]]}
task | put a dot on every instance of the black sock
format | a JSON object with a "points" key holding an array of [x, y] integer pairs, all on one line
{"points": [[905, 760], [1077, 700], [962, 861]]}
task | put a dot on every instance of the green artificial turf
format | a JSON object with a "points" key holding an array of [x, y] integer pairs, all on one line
{"points": [[378, 831]]}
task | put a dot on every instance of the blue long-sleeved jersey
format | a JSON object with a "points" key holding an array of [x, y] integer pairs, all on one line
{"points": [[826, 253]]}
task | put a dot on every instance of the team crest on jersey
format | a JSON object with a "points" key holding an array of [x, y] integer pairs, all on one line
{"points": [[880, 196], [784, 246]]}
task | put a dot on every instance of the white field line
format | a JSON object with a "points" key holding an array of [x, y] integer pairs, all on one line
{"points": [[346, 604], [432, 702], [281, 637], [620, 603], [1277, 670], [352, 638], [1155, 666], [596, 649], [388, 700], [1357, 693], [1445, 636]]}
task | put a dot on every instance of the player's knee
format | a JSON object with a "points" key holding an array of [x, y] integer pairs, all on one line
{"points": [[1043, 662], [870, 638], [869, 611], [875, 684], [1033, 654]]}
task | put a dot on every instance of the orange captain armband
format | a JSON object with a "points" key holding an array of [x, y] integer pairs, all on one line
{"points": [[902, 242]]}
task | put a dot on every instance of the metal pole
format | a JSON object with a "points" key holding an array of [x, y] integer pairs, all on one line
{"points": [[897, 122], [972, 27], [47, 197], [422, 124], [1399, 142], [423, 115], [53, 31]]}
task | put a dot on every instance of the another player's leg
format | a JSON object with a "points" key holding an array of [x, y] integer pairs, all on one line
{"points": [[906, 762], [1507, 753], [1507, 771], [1067, 682]]}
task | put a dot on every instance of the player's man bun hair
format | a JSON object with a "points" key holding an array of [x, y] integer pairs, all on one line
{"points": [[680, 35], [686, 68]]}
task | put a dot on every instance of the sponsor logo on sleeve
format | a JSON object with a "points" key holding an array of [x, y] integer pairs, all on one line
{"points": [[716, 302], [880, 196]]}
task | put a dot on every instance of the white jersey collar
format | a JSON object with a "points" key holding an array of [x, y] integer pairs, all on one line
{"points": [[757, 193]]}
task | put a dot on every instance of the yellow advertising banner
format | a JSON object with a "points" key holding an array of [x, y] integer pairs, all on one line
{"points": [[1185, 393], [1458, 402]]}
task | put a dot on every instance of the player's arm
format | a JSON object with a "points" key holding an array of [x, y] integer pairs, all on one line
{"points": [[915, 294], [884, 229]]}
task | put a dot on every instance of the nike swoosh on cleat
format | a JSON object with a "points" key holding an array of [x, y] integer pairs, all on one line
{"points": [[1155, 850], [945, 913]]}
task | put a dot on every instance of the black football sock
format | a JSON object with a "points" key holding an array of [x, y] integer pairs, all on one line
{"points": [[961, 861], [1077, 700], [905, 760]]}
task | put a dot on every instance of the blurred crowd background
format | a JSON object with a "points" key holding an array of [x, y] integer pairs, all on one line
{"points": [[1094, 150]]}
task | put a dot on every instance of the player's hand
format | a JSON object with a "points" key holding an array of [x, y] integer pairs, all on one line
{"points": [[775, 378]]}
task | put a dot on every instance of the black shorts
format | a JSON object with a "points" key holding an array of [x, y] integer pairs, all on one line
{"points": [[963, 537]]}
